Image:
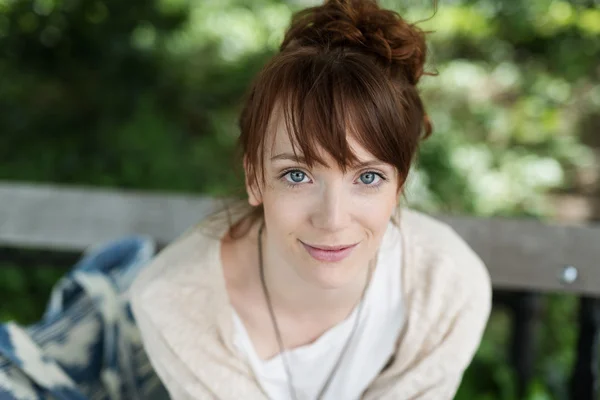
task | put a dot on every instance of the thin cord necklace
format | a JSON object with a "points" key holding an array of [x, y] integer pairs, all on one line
{"points": [[282, 350]]}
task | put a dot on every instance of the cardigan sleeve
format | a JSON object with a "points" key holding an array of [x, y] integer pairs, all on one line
{"points": [[449, 303]]}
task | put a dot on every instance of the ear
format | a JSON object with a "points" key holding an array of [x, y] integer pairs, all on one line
{"points": [[254, 194]]}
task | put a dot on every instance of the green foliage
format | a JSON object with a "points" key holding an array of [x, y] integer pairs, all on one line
{"points": [[145, 95], [76, 70], [24, 294]]}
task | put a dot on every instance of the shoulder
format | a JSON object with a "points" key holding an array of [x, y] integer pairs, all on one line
{"points": [[179, 268], [447, 293], [180, 296], [434, 235], [442, 267], [438, 249], [181, 308]]}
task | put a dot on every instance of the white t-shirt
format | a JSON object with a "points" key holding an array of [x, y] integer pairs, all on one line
{"points": [[371, 348]]}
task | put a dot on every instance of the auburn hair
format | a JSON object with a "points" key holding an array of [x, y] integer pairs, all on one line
{"points": [[347, 67]]}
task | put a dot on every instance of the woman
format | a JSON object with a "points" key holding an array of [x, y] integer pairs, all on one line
{"points": [[321, 287]]}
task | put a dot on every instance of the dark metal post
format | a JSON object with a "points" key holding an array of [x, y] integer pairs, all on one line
{"points": [[584, 381], [526, 307]]}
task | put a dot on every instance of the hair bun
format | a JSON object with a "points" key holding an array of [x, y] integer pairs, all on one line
{"points": [[363, 24]]}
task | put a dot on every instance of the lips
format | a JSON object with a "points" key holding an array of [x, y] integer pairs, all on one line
{"points": [[332, 248], [329, 253]]}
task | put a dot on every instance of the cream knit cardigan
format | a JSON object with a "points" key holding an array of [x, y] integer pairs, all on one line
{"points": [[185, 318]]}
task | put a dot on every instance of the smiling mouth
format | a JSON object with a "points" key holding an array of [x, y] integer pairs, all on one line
{"points": [[329, 253], [331, 248]]}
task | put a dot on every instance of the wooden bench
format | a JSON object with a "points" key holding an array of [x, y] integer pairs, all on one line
{"points": [[526, 258]]}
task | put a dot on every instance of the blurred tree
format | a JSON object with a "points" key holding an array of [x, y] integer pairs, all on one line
{"points": [[71, 71]]}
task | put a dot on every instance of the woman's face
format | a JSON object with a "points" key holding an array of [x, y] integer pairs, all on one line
{"points": [[325, 224]]}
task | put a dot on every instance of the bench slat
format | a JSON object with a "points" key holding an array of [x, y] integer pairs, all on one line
{"points": [[71, 219], [531, 255], [520, 254]]}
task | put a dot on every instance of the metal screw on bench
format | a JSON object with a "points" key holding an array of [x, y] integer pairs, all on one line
{"points": [[569, 274]]}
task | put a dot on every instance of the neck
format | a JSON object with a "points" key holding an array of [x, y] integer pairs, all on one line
{"points": [[295, 295]]}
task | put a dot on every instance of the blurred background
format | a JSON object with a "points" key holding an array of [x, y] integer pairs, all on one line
{"points": [[144, 95]]}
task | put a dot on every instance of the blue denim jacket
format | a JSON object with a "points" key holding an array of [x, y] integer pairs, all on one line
{"points": [[86, 345]]}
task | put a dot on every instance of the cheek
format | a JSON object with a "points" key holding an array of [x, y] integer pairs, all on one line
{"points": [[379, 203], [375, 212], [285, 212], [377, 219]]}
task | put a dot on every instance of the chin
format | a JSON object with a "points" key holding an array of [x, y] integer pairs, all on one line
{"points": [[333, 275]]}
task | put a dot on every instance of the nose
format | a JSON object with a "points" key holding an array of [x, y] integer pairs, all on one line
{"points": [[332, 211]]}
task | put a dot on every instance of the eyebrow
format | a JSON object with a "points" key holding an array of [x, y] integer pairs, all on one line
{"points": [[300, 159], [290, 157]]}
